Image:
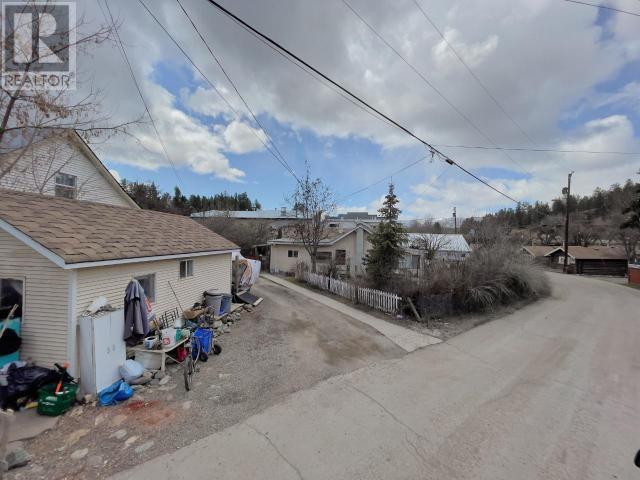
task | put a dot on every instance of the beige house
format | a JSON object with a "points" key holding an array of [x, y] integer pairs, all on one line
{"points": [[57, 255], [58, 162], [344, 248]]}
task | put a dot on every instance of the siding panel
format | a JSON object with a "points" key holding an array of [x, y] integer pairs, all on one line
{"points": [[210, 272], [35, 166], [45, 316]]}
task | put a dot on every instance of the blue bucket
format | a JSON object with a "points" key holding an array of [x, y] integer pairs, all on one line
{"points": [[205, 339]]}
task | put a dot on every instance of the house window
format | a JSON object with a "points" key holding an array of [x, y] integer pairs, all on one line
{"points": [[293, 254], [323, 257], [11, 293], [341, 257], [66, 185], [186, 268], [148, 283]]}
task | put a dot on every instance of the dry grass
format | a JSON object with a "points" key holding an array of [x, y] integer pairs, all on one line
{"points": [[491, 276]]}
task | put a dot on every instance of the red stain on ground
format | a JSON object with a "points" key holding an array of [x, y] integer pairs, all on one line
{"points": [[148, 413]]}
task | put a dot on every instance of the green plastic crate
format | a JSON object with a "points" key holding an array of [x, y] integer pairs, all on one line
{"points": [[53, 405]]}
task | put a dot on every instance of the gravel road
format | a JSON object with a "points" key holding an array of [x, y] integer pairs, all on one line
{"points": [[286, 344]]}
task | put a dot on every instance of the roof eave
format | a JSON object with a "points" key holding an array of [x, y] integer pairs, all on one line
{"points": [[60, 262]]}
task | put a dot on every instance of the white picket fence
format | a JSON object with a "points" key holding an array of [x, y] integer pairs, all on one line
{"points": [[377, 299]]}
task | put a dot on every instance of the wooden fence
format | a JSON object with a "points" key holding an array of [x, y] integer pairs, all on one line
{"points": [[377, 299]]}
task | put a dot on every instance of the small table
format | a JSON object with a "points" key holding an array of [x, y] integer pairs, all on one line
{"points": [[160, 351]]}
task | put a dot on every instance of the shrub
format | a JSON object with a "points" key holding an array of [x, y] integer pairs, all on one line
{"points": [[491, 276]]}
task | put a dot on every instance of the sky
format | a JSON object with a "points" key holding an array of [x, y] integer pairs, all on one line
{"points": [[566, 75]]}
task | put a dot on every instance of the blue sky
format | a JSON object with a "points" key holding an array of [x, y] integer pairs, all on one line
{"points": [[572, 87]]}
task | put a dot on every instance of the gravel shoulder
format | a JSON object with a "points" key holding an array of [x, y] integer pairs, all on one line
{"points": [[284, 345]]}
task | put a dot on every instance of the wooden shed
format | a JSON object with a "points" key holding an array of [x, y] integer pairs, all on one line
{"points": [[594, 260]]}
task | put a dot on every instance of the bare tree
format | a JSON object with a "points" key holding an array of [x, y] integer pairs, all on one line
{"points": [[25, 111], [549, 230], [313, 201], [430, 244]]}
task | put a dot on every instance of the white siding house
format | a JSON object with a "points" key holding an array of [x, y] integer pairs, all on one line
{"points": [[66, 253], [343, 248], [62, 164]]}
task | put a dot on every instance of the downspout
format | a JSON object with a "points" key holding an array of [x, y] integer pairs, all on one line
{"points": [[72, 323]]}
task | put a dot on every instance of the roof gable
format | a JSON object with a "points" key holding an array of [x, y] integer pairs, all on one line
{"points": [[85, 232]]}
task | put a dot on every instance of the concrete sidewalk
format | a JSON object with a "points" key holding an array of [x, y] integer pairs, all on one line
{"points": [[405, 338]]}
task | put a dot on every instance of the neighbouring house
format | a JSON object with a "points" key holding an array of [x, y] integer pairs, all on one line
{"points": [[58, 162], [344, 248], [351, 219], [277, 220], [439, 246], [251, 229], [594, 260], [538, 253], [57, 255]]}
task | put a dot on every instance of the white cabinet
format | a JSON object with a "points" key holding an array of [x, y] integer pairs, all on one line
{"points": [[102, 350]]}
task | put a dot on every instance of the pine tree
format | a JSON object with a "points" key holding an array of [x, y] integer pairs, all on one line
{"points": [[388, 242]]}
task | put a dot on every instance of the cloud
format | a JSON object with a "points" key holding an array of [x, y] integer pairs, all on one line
{"points": [[540, 58], [114, 173], [189, 142], [473, 55], [241, 138], [437, 198]]}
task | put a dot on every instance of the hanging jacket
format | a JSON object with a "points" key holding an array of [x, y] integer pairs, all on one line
{"points": [[136, 323]]}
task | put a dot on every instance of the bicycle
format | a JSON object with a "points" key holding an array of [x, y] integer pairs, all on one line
{"points": [[190, 363]]}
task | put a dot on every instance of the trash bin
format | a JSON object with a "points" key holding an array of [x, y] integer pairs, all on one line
{"points": [[213, 299]]}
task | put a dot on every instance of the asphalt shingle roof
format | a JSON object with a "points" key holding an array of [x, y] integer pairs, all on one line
{"points": [[80, 231]]}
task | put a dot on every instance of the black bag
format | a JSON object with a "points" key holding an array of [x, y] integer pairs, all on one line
{"points": [[9, 342]]}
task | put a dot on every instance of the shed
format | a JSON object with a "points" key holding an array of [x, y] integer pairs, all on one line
{"points": [[60, 254], [594, 260]]}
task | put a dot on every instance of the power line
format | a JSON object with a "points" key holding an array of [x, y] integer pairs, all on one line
{"points": [[137, 85], [293, 57], [281, 161], [472, 73], [390, 176], [406, 167], [523, 149], [604, 7], [273, 145], [431, 85]]}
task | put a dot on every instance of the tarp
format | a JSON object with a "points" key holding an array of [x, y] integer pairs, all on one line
{"points": [[249, 271]]}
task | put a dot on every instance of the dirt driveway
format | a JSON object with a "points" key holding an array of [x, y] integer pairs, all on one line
{"points": [[288, 343]]}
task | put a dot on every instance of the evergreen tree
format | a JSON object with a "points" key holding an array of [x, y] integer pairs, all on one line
{"points": [[633, 213], [388, 242]]}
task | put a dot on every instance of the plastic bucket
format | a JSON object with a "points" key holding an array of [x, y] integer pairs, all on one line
{"points": [[225, 304]]}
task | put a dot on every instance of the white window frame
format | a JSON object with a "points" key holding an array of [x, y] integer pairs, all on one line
{"points": [[188, 272], [65, 186], [328, 259], [292, 254], [151, 296]]}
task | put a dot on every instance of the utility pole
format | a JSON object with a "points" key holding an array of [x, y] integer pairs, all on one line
{"points": [[567, 192], [455, 221]]}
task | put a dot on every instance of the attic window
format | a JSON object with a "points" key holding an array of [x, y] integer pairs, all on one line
{"points": [[66, 185]]}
